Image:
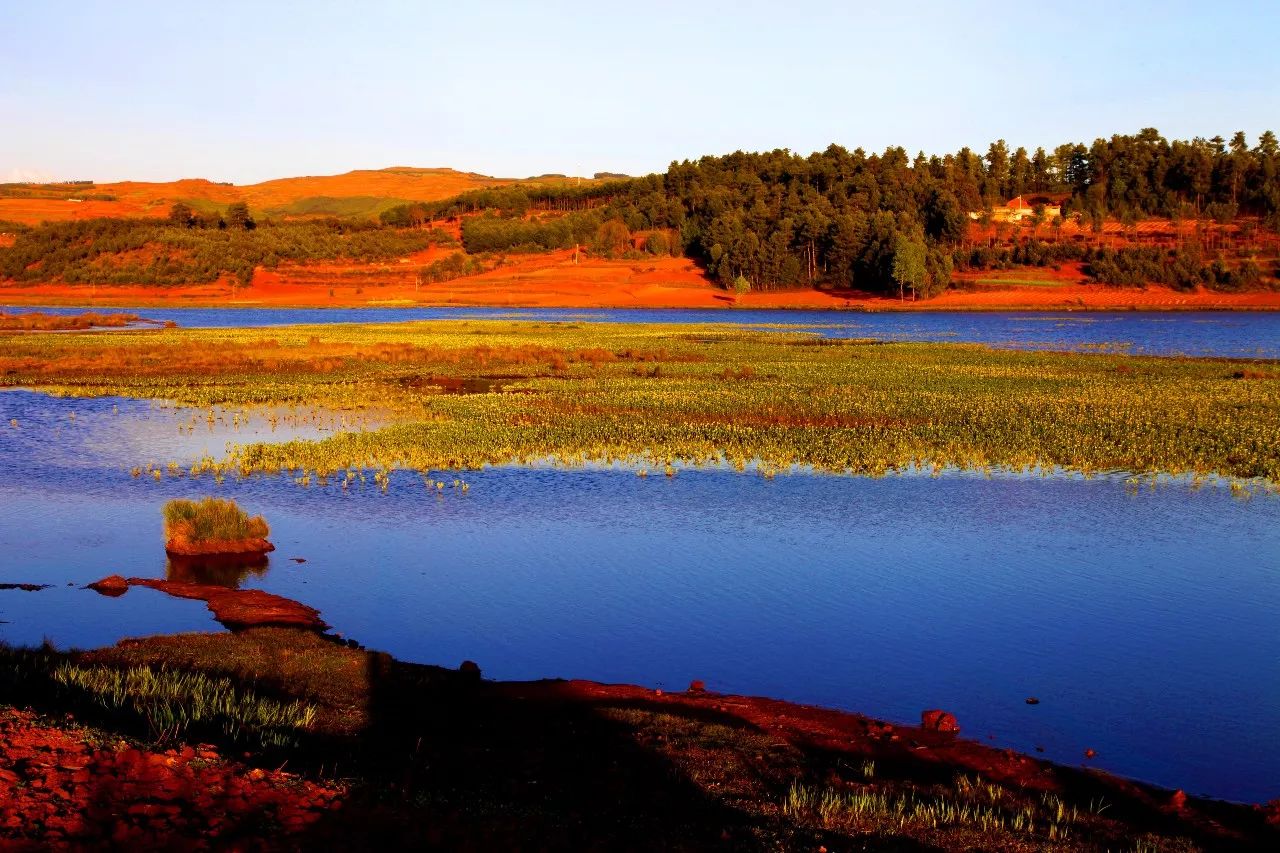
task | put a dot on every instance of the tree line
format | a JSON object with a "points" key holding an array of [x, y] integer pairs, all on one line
{"points": [[176, 250], [889, 222]]}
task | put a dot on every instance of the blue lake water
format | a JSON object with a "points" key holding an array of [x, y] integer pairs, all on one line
{"points": [[1232, 334], [1144, 620]]}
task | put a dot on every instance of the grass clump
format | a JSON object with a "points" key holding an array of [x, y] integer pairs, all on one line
{"points": [[165, 703], [172, 702], [211, 520]]}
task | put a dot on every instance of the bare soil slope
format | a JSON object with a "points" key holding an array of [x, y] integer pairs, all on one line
{"points": [[32, 204]]}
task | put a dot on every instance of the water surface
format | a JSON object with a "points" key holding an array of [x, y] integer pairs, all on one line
{"points": [[1235, 334], [1144, 621]]}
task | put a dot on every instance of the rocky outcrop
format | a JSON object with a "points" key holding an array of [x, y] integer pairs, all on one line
{"points": [[62, 788], [181, 547], [241, 608], [112, 585], [937, 720]]}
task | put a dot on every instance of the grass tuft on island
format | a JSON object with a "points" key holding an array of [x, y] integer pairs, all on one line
{"points": [[213, 526]]}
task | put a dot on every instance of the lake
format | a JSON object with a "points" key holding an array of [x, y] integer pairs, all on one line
{"points": [[1143, 619], [1231, 334]]}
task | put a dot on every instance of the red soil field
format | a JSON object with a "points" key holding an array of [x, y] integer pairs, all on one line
{"points": [[137, 198], [554, 280]]}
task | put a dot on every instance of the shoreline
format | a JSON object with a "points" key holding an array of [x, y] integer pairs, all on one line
{"points": [[275, 293], [695, 751]]}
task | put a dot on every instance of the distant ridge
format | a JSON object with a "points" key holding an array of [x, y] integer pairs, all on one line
{"points": [[360, 192]]}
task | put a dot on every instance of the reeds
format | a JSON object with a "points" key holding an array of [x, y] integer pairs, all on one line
{"points": [[570, 393]]}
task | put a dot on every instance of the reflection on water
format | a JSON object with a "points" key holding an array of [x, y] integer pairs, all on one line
{"points": [[1236, 334], [1136, 616], [229, 570]]}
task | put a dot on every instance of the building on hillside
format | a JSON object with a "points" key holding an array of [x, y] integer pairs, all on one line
{"points": [[1022, 207]]}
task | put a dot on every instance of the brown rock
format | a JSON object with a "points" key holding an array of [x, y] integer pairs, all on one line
{"points": [[112, 585], [241, 608], [697, 686], [937, 720], [187, 548], [1178, 801]]}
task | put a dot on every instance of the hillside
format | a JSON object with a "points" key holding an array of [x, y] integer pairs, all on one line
{"points": [[363, 192], [835, 226]]}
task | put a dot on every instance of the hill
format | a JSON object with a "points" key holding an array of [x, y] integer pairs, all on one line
{"points": [[363, 193]]}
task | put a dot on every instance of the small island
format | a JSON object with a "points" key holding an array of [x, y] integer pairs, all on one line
{"points": [[213, 527]]}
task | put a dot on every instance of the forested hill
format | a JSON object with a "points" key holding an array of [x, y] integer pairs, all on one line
{"points": [[877, 221], [887, 223]]}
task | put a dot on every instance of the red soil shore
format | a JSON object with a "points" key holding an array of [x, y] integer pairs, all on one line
{"points": [[555, 281], [60, 783], [240, 608], [60, 786], [236, 547]]}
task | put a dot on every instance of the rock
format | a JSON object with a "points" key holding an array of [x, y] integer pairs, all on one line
{"points": [[186, 548], [697, 686], [241, 608], [112, 585], [298, 559], [938, 720], [1178, 801], [1031, 700], [470, 669], [25, 587]]}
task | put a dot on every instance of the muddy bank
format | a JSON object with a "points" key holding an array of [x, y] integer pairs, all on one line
{"points": [[440, 758], [601, 285], [238, 609]]}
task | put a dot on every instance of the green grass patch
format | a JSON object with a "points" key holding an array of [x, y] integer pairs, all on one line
{"points": [[361, 206], [164, 703]]}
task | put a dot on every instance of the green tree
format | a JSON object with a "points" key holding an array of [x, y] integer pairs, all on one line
{"points": [[613, 238], [238, 217], [181, 214], [909, 264]]}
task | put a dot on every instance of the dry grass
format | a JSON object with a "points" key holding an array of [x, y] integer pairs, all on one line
{"points": [[211, 520], [36, 321]]}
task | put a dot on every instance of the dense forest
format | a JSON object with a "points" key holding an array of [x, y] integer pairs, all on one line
{"points": [[888, 222], [836, 218]]}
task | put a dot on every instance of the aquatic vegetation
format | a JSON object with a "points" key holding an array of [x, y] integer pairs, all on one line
{"points": [[210, 520], [37, 321], [455, 395]]}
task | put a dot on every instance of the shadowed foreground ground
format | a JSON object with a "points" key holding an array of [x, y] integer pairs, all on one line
{"points": [[399, 755]]}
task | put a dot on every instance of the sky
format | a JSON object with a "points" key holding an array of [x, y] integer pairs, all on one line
{"points": [[245, 92]]}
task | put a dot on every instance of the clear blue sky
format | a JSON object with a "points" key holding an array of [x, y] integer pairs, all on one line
{"points": [[234, 91]]}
